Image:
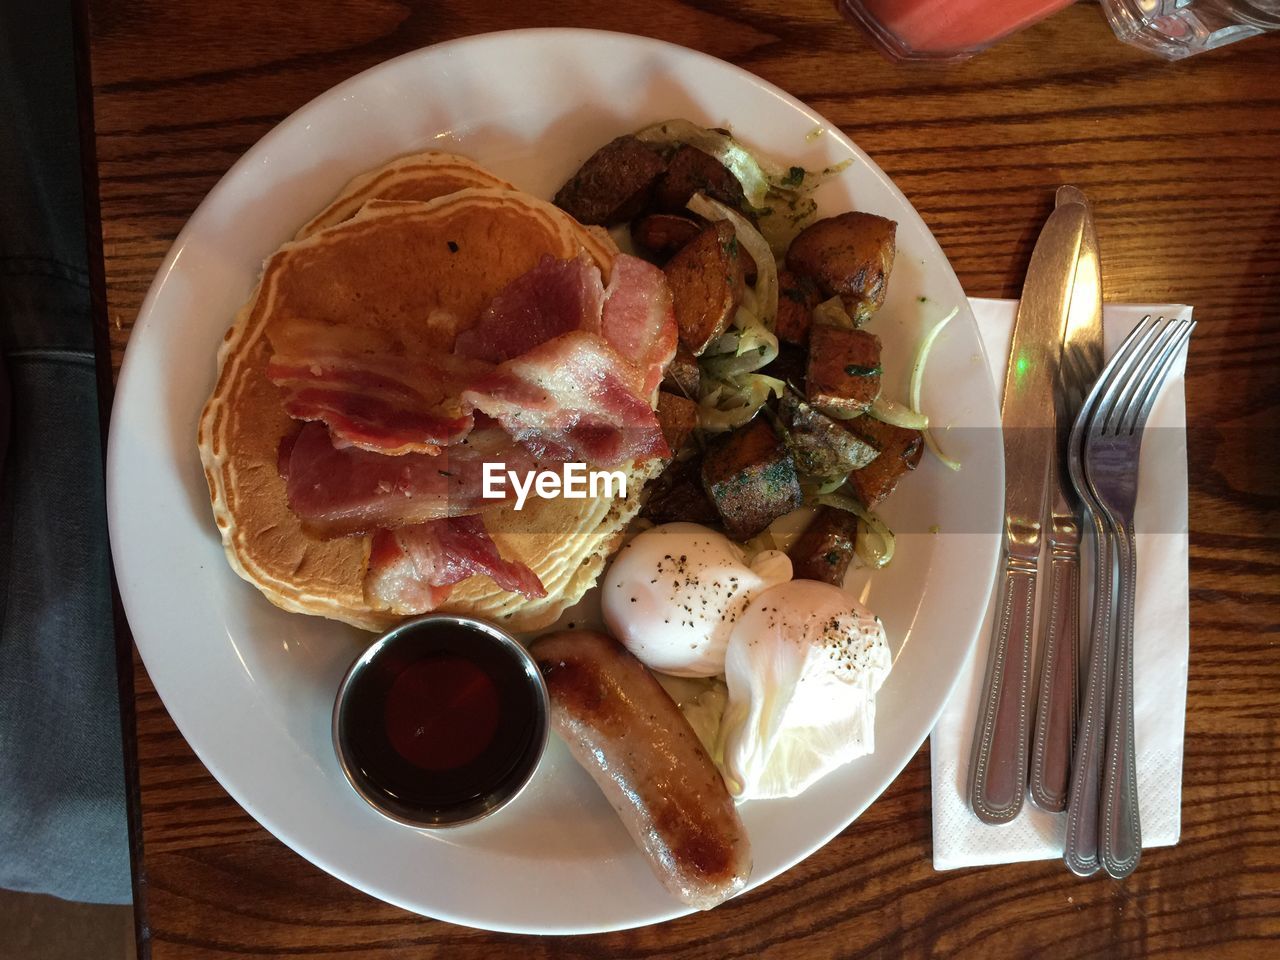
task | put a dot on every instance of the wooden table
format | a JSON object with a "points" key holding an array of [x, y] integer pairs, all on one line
{"points": [[1183, 161]]}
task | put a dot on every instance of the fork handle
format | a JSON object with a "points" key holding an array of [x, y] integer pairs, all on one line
{"points": [[1121, 835], [1081, 848], [998, 767], [1056, 698]]}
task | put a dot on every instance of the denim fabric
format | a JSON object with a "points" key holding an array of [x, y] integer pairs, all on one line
{"points": [[62, 815]]}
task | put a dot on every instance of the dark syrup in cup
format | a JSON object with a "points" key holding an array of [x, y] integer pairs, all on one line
{"points": [[441, 721]]}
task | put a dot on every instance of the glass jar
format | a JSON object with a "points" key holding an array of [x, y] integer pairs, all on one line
{"points": [[1179, 28]]}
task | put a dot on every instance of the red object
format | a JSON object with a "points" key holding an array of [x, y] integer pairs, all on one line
{"points": [[411, 569], [944, 29], [441, 713]]}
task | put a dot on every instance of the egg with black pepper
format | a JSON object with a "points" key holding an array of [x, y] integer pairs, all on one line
{"points": [[674, 593], [803, 666]]}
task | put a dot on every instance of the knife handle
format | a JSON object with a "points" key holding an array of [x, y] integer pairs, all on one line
{"points": [[1121, 833], [998, 766], [1081, 849], [1056, 698]]}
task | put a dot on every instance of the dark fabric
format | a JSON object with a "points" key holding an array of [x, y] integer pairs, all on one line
{"points": [[62, 815]]}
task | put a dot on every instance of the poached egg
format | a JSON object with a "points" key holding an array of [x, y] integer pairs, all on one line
{"points": [[803, 666], [675, 593]]}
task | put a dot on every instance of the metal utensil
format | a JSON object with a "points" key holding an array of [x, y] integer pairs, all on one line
{"points": [[1080, 847], [1056, 690], [1111, 452], [1081, 852], [998, 766]]}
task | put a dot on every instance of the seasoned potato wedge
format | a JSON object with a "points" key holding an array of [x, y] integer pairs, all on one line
{"points": [[706, 285], [751, 479], [825, 548], [849, 256], [683, 376], [843, 375], [691, 171], [661, 234], [678, 416], [900, 452], [821, 446], [797, 296], [677, 495], [614, 184]]}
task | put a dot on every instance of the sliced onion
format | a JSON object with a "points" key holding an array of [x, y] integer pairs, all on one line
{"points": [[917, 378], [781, 534], [875, 542], [786, 215], [887, 411], [753, 174], [832, 313], [747, 347], [766, 288], [734, 401]]}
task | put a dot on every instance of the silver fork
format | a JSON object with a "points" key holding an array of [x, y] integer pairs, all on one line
{"points": [[1081, 846], [1111, 451], [1081, 850]]}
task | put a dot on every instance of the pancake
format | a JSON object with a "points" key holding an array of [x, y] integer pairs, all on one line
{"points": [[409, 276], [420, 177]]}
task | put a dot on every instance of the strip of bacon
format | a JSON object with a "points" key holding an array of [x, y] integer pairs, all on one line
{"points": [[339, 492], [554, 298], [412, 569], [572, 399], [638, 320], [376, 401]]}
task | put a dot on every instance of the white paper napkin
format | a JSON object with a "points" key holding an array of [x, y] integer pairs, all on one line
{"points": [[960, 839]]}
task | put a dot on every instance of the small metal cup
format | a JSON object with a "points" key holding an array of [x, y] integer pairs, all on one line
{"points": [[500, 793]]}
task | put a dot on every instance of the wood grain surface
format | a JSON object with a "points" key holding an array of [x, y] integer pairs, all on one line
{"points": [[1183, 162]]}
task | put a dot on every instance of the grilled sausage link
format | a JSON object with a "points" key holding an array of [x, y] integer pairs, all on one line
{"points": [[631, 737]]}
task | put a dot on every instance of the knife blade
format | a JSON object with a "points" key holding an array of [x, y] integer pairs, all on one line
{"points": [[1059, 642], [998, 763]]}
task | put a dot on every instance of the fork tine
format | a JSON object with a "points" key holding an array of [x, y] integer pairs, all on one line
{"points": [[1151, 389], [1119, 421], [1117, 372]]}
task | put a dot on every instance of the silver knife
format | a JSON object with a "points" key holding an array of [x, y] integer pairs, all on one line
{"points": [[998, 764], [1057, 692]]}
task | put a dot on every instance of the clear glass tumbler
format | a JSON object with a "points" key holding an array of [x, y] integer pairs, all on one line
{"points": [[1179, 28]]}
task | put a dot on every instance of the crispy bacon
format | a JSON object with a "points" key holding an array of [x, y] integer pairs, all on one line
{"points": [[381, 402], [412, 569], [554, 298], [633, 314], [339, 492], [638, 320], [572, 398]]}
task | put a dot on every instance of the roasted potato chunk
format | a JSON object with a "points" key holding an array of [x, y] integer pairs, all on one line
{"points": [[706, 285], [677, 495], [661, 234], [677, 416], [797, 296], [614, 184], [843, 375], [900, 451], [849, 256], [751, 479], [691, 171], [825, 548], [821, 446], [683, 376]]}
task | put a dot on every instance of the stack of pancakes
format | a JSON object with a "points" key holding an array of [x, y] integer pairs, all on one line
{"points": [[409, 255]]}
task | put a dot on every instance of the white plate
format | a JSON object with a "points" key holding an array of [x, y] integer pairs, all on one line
{"points": [[250, 687]]}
